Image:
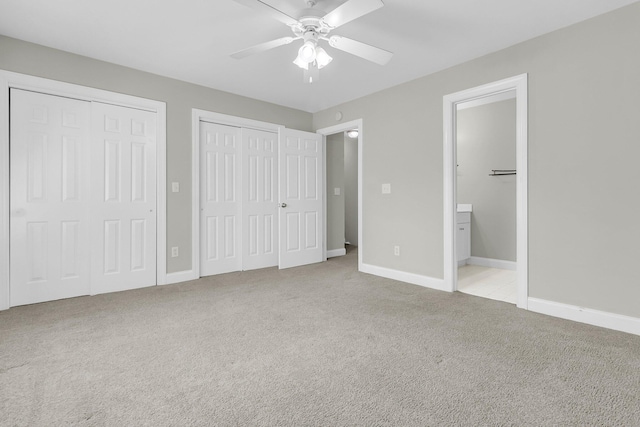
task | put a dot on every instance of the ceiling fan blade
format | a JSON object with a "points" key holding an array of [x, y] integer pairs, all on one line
{"points": [[368, 52], [262, 47], [349, 11], [270, 10]]}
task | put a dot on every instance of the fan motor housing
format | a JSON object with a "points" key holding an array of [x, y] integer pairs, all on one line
{"points": [[311, 24]]}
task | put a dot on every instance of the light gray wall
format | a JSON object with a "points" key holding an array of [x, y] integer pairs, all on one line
{"points": [[584, 146], [351, 190], [181, 97], [335, 179], [486, 140]]}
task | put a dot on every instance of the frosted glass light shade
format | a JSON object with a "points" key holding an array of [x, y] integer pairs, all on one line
{"points": [[307, 52], [322, 58], [301, 63]]}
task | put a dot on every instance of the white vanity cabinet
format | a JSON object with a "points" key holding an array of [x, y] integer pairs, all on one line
{"points": [[463, 236]]}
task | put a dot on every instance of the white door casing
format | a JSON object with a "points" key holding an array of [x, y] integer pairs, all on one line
{"points": [[220, 203], [50, 141], [343, 127], [301, 200], [450, 102], [259, 199], [123, 210]]}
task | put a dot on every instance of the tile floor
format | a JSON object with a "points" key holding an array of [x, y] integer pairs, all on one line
{"points": [[493, 283]]}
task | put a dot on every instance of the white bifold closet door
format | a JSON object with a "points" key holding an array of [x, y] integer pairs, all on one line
{"points": [[220, 202], [259, 199], [123, 203], [244, 173], [238, 199], [49, 197], [83, 196]]}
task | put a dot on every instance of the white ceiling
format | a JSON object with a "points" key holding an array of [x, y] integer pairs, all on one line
{"points": [[191, 40]]}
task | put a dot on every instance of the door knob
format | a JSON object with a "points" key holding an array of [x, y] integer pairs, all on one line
{"points": [[283, 205]]}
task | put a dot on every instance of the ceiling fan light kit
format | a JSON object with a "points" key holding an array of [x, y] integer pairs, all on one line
{"points": [[313, 27]]}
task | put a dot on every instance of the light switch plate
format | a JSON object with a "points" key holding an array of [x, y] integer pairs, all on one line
{"points": [[336, 191], [386, 188], [175, 187]]}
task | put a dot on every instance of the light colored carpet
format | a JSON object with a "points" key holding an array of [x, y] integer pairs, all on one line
{"points": [[321, 345]]}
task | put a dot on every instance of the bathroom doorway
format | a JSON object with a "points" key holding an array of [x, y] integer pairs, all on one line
{"points": [[486, 197], [491, 259]]}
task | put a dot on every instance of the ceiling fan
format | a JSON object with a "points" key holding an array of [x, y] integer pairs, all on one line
{"points": [[314, 26]]}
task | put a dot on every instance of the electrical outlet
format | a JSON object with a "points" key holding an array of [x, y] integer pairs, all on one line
{"points": [[174, 251], [175, 187], [396, 250], [336, 191], [386, 188]]}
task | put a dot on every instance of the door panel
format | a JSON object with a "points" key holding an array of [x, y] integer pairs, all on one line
{"points": [[259, 204], [124, 198], [219, 202], [49, 197], [301, 190]]}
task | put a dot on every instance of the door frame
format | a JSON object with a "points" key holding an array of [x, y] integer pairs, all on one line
{"points": [[198, 116], [450, 103], [12, 80], [331, 130]]}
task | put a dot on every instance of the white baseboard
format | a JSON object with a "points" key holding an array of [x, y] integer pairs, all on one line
{"points": [[336, 252], [603, 319], [493, 263], [415, 279], [181, 276]]}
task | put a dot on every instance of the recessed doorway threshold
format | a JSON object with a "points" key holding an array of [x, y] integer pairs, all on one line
{"points": [[486, 282]]}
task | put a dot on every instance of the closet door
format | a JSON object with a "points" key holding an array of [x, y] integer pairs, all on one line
{"points": [[259, 199], [124, 198], [49, 201], [220, 202]]}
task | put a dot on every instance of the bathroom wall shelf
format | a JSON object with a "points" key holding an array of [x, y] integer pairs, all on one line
{"points": [[501, 172]]}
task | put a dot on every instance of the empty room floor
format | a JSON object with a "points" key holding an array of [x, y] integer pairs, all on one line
{"points": [[319, 345], [486, 282]]}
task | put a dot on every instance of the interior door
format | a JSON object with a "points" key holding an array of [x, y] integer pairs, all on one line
{"points": [[300, 218], [49, 197], [123, 211], [259, 199], [220, 203]]}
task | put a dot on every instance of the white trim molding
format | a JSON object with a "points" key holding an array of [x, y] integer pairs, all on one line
{"points": [[332, 253], [493, 263], [450, 105], [403, 276], [331, 130], [10, 80], [618, 322], [502, 96]]}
